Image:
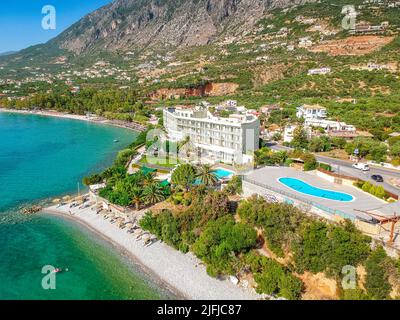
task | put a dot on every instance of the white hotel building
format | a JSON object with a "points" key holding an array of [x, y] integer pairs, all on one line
{"points": [[230, 140]]}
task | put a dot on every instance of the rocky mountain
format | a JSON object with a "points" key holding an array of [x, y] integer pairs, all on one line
{"points": [[284, 52], [132, 24]]}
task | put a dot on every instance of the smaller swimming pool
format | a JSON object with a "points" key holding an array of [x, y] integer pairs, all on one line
{"points": [[305, 188], [222, 173]]}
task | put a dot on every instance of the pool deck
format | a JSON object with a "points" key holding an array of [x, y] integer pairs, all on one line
{"points": [[362, 201]]}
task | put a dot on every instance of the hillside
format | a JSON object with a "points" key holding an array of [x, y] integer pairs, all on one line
{"points": [[256, 51]]}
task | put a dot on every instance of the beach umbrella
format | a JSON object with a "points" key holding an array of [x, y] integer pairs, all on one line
{"points": [[56, 200], [66, 198]]}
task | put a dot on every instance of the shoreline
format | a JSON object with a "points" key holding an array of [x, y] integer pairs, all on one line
{"points": [[184, 275], [62, 115], [126, 253]]}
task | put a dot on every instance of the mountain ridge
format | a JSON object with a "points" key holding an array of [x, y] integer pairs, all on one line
{"points": [[133, 24]]}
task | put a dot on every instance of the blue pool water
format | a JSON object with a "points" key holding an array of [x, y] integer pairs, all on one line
{"points": [[219, 173], [302, 187], [222, 173]]}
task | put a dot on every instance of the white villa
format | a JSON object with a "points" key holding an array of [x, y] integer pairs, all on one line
{"points": [[324, 70], [288, 133], [315, 116], [311, 112], [231, 140], [330, 125]]}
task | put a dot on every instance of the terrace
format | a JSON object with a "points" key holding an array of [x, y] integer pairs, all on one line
{"points": [[265, 181]]}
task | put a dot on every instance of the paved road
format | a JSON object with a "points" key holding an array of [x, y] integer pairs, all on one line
{"points": [[345, 167]]}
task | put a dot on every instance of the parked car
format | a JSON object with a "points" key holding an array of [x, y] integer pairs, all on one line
{"points": [[361, 166], [377, 178]]}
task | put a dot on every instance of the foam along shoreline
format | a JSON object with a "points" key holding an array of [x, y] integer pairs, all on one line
{"points": [[182, 274], [92, 119]]}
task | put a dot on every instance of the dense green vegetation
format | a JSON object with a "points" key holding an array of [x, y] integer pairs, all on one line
{"points": [[377, 284], [110, 103], [136, 189], [272, 277], [266, 156], [368, 148], [220, 243], [208, 228]]}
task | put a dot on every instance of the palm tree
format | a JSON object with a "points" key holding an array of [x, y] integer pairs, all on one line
{"points": [[184, 176], [148, 179], [206, 175], [153, 193], [137, 197]]}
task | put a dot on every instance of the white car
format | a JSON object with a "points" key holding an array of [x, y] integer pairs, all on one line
{"points": [[361, 166]]}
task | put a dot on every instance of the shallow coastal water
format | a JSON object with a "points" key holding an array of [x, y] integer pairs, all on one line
{"points": [[42, 157]]}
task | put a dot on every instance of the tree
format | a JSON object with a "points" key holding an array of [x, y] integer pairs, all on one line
{"points": [[137, 196], [395, 149], [368, 148], [96, 178], [367, 187], [268, 157], [272, 277], [153, 193], [184, 176], [206, 175], [219, 243], [290, 286], [310, 162], [376, 282], [300, 139], [148, 179], [234, 186], [338, 142], [380, 192], [320, 144], [312, 251]]}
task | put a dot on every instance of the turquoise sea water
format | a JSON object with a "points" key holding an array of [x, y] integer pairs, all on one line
{"points": [[42, 157], [302, 187]]}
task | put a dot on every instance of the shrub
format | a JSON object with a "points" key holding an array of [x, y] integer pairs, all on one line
{"points": [[367, 187], [376, 282], [380, 192], [325, 166], [123, 157], [219, 243], [272, 277], [324, 247], [234, 186], [96, 178], [354, 294]]}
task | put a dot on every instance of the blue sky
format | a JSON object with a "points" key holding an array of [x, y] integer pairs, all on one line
{"points": [[21, 20]]}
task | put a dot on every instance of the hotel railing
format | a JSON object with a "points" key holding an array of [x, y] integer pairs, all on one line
{"points": [[303, 200]]}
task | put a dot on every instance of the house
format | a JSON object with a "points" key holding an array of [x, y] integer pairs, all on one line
{"points": [[267, 110], [305, 42], [324, 70], [365, 28], [288, 133], [329, 125], [311, 112]]}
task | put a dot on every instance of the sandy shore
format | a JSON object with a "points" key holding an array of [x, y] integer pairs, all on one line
{"points": [[93, 119], [182, 274]]}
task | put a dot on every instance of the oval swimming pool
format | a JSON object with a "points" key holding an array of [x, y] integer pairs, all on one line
{"points": [[305, 188]]}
